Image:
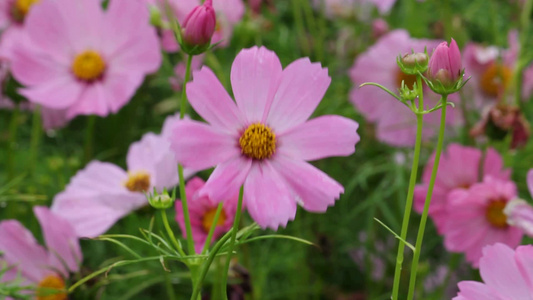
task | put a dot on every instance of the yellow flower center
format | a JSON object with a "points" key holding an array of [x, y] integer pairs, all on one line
{"points": [[88, 66], [495, 214], [138, 181], [258, 142], [495, 79], [20, 9], [209, 217], [52, 287], [407, 78]]}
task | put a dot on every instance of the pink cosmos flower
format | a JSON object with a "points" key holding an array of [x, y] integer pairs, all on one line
{"points": [[102, 193], [395, 123], [459, 168], [47, 268], [475, 218], [12, 16], [73, 56], [445, 63], [202, 211], [263, 140], [520, 213], [507, 275]]}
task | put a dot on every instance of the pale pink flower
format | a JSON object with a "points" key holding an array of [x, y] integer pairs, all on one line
{"points": [[263, 140], [507, 275], [459, 168], [445, 64], [48, 267], [13, 13], [73, 56], [102, 193], [519, 212], [202, 211], [475, 218], [395, 123]]}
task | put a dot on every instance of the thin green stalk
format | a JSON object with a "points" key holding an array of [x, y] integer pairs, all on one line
{"points": [[298, 19], [422, 227], [10, 155], [183, 106], [89, 138], [171, 233], [410, 192], [232, 244], [212, 229], [36, 133], [521, 64], [314, 31]]}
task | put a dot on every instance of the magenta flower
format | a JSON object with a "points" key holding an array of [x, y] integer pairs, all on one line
{"points": [[520, 213], [264, 139], [199, 25], [69, 59], [47, 268], [102, 193], [475, 218], [395, 123], [202, 211], [507, 275], [445, 64], [459, 168]]}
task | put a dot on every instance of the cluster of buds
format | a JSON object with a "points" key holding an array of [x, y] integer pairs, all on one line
{"points": [[198, 29], [163, 200], [412, 64]]}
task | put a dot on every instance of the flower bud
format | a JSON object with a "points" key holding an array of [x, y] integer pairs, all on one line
{"points": [[161, 201], [413, 63], [445, 64], [198, 28]]}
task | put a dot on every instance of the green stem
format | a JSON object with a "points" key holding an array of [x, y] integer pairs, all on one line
{"points": [[11, 144], [312, 25], [422, 227], [410, 192], [171, 233], [89, 139], [298, 19], [36, 133], [212, 229], [183, 106], [232, 244], [168, 285], [521, 64]]}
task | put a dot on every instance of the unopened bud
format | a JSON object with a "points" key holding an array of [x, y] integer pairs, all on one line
{"points": [[413, 63], [161, 201], [198, 28]]}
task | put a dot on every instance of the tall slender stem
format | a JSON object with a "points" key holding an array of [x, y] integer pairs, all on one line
{"points": [[11, 143], [422, 227], [89, 138], [232, 244], [36, 133], [298, 19], [410, 191], [521, 64], [171, 233], [183, 196]]}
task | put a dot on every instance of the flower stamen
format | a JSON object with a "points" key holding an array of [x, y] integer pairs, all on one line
{"points": [[51, 288], [209, 217], [258, 142], [20, 9], [88, 66], [495, 214], [138, 181], [495, 79]]}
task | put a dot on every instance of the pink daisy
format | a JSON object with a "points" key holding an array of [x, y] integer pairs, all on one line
{"points": [[459, 168], [263, 140], [395, 123], [102, 193], [74, 56], [475, 218], [47, 268], [507, 275], [202, 211]]}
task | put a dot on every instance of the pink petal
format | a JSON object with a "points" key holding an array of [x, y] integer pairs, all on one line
{"points": [[226, 180], [119, 87], [499, 270], [199, 146], [302, 87], [20, 248], [268, 199], [153, 154], [524, 261], [255, 76], [211, 101], [472, 290], [61, 240], [93, 101], [59, 93], [314, 189], [320, 137]]}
